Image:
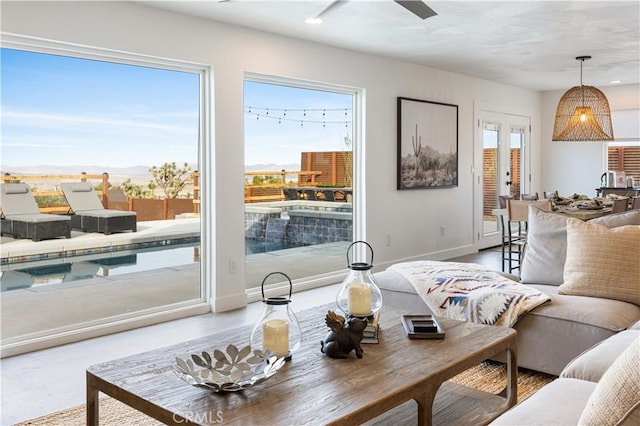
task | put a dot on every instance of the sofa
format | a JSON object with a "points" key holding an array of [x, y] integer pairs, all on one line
{"points": [[591, 272], [599, 387]]}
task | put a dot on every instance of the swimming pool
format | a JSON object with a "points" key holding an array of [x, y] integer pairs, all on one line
{"points": [[256, 246], [45, 270], [55, 271]]}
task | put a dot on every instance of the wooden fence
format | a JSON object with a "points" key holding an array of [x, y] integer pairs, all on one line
{"points": [[319, 168], [273, 191]]}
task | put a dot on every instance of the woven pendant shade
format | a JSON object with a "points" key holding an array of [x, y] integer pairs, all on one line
{"points": [[583, 114]]}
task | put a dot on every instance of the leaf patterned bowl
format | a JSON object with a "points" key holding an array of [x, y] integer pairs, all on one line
{"points": [[230, 371]]}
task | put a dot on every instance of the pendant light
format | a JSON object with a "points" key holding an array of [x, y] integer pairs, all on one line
{"points": [[583, 114]]}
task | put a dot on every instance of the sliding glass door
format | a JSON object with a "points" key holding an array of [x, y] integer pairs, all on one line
{"points": [[132, 129], [299, 187]]}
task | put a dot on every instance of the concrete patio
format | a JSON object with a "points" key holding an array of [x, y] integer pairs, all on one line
{"points": [[35, 310]]}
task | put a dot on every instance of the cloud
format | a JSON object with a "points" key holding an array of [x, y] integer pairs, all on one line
{"points": [[47, 120]]}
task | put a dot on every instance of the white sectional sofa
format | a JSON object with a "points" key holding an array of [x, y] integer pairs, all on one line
{"points": [[599, 298], [599, 387]]}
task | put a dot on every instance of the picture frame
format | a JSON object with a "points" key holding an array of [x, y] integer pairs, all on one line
{"points": [[427, 144]]}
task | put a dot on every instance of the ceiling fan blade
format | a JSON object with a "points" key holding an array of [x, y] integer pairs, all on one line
{"points": [[417, 7], [332, 6]]}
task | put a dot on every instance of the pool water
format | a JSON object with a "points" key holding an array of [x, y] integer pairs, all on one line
{"points": [[255, 246], [100, 265], [68, 269]]}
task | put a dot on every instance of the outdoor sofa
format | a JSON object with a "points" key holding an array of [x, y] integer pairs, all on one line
{"points": [[21, 217], [89, 215], [552, 334]]}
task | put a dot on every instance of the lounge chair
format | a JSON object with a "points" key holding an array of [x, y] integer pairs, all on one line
{"points": [[21, 217], [89, 215]]}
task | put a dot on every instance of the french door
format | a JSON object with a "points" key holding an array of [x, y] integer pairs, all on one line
{"points": [[502, 151]]}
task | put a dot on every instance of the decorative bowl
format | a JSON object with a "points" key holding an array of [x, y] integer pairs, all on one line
{"points": [[230, 371]]}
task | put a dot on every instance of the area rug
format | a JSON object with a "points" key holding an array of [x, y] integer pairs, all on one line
{"points": [[488, 376]]}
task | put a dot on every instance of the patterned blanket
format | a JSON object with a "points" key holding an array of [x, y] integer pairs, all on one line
{"points": [[470, 292]]}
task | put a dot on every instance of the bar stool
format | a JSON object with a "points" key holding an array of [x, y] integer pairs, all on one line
{"points": [[514, 238]]}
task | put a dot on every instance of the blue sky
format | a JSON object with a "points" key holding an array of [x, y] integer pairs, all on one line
{"points": [[314, 120], [65, 111]]}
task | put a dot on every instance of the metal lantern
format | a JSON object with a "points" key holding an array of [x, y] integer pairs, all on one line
{"points": [[277, 329], [359, 295]]}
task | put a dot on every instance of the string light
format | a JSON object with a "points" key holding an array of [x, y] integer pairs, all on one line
{"points": [[288, 114]]}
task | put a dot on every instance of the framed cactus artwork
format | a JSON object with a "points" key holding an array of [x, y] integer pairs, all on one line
{"points": [[427, 144]]}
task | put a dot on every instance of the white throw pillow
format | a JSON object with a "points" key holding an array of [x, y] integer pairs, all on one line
{"points": [[546, 249], [617, 393]]}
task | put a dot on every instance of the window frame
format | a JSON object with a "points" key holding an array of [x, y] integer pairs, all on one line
{"points": [[358, 172], [205, 151]]}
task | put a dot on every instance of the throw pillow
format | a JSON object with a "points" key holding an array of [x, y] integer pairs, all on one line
{"points": [[546, 249], [617, 393], [630, 217], [602, 262]]}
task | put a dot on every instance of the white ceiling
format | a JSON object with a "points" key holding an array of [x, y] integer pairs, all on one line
{"points": [[530, 44]]}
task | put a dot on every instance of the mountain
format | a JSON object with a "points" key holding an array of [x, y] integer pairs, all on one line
{"points": [[48, 169], [74, 170], [271, 167]]}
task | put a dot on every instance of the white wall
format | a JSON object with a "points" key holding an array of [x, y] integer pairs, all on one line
{"points": [[413, 218], [570, 167]]}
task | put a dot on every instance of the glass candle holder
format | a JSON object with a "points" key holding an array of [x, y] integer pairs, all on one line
{"points": [[359, 294], [277, 329]]}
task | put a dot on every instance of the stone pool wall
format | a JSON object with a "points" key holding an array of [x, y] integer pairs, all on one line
{"points": [[299, 223]]}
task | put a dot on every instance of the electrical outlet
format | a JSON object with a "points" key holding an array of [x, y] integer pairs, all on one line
{"points": [[232, 266], [442, 230], [387, 240]]}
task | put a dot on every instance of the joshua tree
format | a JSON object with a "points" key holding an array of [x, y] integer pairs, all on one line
{"points": [[134, 190], [170, 178], [417, 147]]}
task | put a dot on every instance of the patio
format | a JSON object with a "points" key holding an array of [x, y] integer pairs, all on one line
{"points": [[52, 308]]}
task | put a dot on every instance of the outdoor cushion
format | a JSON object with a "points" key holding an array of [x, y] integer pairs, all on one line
{"points": [[81, 196], [105, 213], [38, 217], [15, 188], [81, 187], [17, 199], [602, 262]]}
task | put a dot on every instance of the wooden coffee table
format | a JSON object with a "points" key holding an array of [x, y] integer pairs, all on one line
{"points": [[314, 389]]}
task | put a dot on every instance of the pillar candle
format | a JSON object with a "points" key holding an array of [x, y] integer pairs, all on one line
{"points": [[359, 299], [275, 334]]}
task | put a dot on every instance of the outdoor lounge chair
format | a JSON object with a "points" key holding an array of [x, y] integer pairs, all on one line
{"points": [[89, 215], [21, 217]]}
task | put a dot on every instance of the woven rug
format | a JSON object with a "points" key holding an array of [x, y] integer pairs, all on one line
{"points": [[488, 376]]}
